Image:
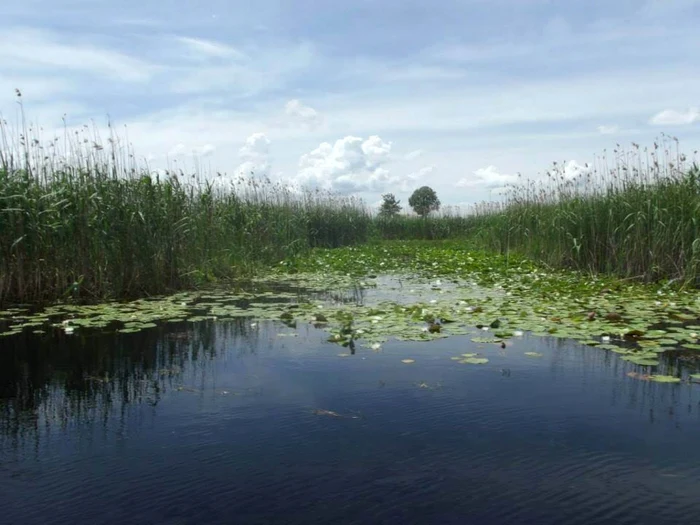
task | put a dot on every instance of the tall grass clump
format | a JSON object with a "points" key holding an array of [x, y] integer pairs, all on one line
{"points": [[82, 218], [636, 215], [437, 226]]}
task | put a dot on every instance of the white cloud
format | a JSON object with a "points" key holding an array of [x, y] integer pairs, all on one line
{"points": [[417, 177], [180, 150], [413, 154], [487, 178], [350, 165], [27, 50], [608, 130], [208, 49], [245, 74], [671, 117], [573, 170], [255, 154], [301, 114]]}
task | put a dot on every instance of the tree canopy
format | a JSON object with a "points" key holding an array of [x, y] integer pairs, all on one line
{"points": [[390, 206], [424, 200]]}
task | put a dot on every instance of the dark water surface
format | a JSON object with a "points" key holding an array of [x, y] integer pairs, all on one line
{"points": [[220, 423]]}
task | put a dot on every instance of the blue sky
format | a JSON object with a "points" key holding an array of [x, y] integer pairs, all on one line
{"points": [[361, 97]]}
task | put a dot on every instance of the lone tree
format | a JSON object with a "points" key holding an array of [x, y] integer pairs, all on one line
{"points": [[424, 200], [390, 206]]}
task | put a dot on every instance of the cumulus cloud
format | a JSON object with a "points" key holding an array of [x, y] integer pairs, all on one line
{"points": [[350, 165], [487, 178], [301, 114], [573, 169], [671, 117], [608, 130], [255, 154]]}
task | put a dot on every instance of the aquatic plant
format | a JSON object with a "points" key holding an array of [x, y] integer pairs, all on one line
{"points": [[82, 219]]}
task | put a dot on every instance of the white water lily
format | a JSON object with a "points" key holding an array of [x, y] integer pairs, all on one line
{"points": [[469, 309], [485, 328], [605, 338], [183, 304], [433, 301], [69, 329], [694, 334], [424, 329], [375, 346], [518, 333], [253, 325], [463, 303]]}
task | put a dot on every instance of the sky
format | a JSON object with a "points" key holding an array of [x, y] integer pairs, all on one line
{"points": [[360, 97]]}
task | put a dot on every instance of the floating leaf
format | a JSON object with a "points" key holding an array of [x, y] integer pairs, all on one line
{"points": [[474, 360], [665, 379]]}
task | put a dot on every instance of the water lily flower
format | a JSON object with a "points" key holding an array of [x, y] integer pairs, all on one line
{"points": [[253, 325], [375, 346], [518, 333], [605, 338], [69, 329], [424, 329], [433, 301], [485, 328]]}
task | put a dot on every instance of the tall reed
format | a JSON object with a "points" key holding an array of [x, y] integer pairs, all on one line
{"points": [[80, 217], [636, 215]]}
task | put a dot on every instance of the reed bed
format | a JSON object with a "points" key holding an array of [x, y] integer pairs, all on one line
{"points": [[634, 213], [81, 218]]}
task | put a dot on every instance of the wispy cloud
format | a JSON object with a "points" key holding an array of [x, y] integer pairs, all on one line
{"points": [[672, 117], [608, 130], [488, 178], [51, 53]]}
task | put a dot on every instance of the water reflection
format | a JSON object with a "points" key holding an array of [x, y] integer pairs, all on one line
{"points": [[58, 379], [198, 422]]}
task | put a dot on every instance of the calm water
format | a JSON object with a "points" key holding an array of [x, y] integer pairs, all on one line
{"points": [[216, 423]]}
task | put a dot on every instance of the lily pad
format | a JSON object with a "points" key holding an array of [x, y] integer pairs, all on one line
{"points": [[474, 360], [665, 379]]}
